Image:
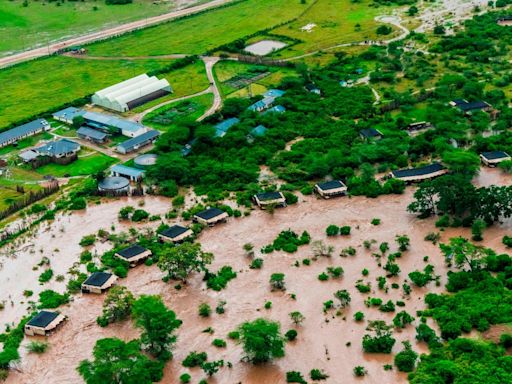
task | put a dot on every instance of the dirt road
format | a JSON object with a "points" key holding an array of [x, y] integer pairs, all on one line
{"points": [[100, 35]]}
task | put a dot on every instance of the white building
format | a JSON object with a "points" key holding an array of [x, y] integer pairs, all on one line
{"points": [[131, 93]]}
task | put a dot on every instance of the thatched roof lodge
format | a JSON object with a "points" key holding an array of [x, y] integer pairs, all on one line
{"points": [[134, 254], [175, 234], [44, 323], [492, 158], [266, 199], [328, 189], [210, 216], [426, 172], [98, 282]]}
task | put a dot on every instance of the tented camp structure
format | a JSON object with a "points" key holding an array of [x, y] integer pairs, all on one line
{"points": [[131, 93]]}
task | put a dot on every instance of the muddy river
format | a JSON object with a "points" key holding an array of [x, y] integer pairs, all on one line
{"points": [[328, 342]]}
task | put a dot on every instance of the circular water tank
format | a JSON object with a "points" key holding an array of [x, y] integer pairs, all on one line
{"points": [[113, 184], [146, 160]]}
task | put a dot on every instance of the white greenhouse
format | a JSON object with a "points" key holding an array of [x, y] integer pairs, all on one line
{"points": [[131, 93]]}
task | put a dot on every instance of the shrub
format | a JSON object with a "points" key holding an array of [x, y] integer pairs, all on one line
{"points": [[204, 310], [317, 374], [277, 281], [387, 307], [380, 341], [234, 335], [139, 215], [220, 280], [295, 377], [401, 319], [507, 241], [359, 316], [185, 378], [335, 272], [506, 340], [37, 347], [194, 359], [345, 230], [359, 371], [219, 343], [323, 276], [291, 335], [332, 230], [46, 276], [405, 360], [51, 299], [87, 240], [256, 264], [375, 221]]}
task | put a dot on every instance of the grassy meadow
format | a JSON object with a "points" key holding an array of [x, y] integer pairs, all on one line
{"points": [[337, 22], [35, 87], [88, 163], [198, 34], [42, 21]]}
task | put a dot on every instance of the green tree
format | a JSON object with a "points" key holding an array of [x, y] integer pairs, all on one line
{"points": [[158, 324], [262, 340], [464, 254], [297, 317], [118, 362], [462, 162], [381, 340], [178, 262], [117, 305], [405, 360]]}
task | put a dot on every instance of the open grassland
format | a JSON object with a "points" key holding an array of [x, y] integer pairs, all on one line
{"points": [[337, 22], [42, 21], [198, 34], [87, 164], [187, 110], [38, 86], [227, 72]]}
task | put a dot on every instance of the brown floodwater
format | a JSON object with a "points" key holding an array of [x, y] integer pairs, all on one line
{"points": [[323, 339]]}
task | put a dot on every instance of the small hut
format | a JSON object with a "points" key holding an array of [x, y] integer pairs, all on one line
{"points": [[266, 199], [134, 254], [98, 282], [210, 216], [413, 175], [493, 158], [330, 189], [175, 234], [44, 323]]}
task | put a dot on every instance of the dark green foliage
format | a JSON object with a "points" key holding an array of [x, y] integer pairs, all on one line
{"points": [[185, 378], [212, 367], [477, 300], [289, 241], [317, 374], [426, 334], [359, 371], [420, 279], [332, 230], [345, 230], [158, 325], [387, 307], [256, 263], [78, 203], [219, 343], [401, 319], [359, 316], [506, 340], [261, 340], [117, 306], [139, 215], [51, 299], [88, 240], [405, 360], [204, 310], [118, 362], [291, 334], [46, 276], [380, 341], [464, 361], [194, 359], [295, 377], [507, 241], [220, 280]]}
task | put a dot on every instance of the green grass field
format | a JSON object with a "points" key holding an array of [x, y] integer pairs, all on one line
{"points": [[41, 21], [187, 110], [35, 87], [87, 164], [336, 23], [198, 34]]}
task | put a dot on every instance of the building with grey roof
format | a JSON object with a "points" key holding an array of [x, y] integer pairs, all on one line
{"points": [[90, 134], [137, 142], [133, 174], [113, 124], [59, 148], [13, 135], [67, 115]]}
